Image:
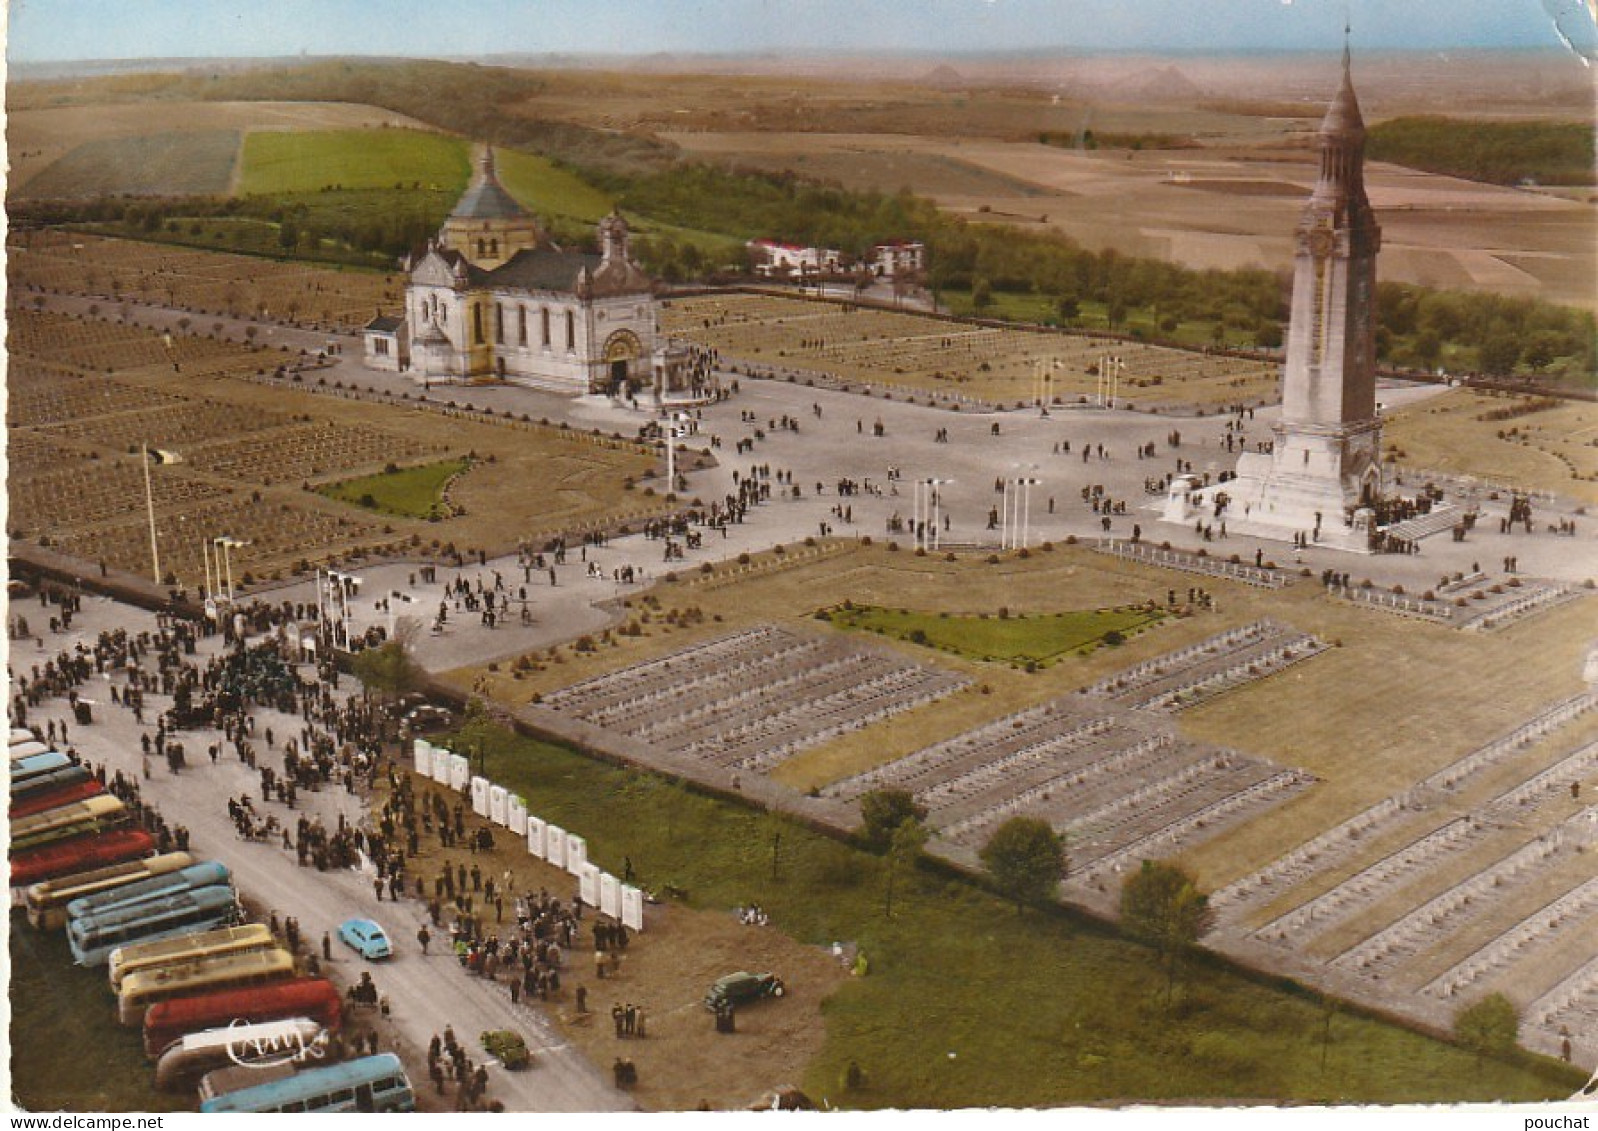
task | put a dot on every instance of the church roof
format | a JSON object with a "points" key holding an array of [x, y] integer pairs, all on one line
{"points": [[385, 324], [541, 269], [487, 199]]}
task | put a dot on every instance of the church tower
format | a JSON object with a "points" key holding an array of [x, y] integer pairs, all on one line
{"points": [[1329, 421], [487, 225], [1325, 460]]}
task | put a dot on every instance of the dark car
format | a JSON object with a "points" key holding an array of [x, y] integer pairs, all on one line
{"points": [[736, 989], [508, 1047]]}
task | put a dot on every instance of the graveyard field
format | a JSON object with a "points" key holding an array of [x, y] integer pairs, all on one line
{"points": [[1552, 448], [1225, 738], [205, 283], [918, 355], [1088, 1020], [86, 394], [40, 135]]}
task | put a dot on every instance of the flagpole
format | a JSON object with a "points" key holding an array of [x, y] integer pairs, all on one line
{"points": [[149, 506]]}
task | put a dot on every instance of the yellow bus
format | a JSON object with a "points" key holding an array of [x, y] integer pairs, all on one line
{"points": [[143, 988], [47, 901], [95, 814], [178, 949]]}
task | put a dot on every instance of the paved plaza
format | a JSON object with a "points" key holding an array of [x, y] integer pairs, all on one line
{"points": [[1473, 878]]}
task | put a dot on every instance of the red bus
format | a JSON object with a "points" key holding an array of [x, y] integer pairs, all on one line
{"points": [[168, 1021], [45, 799], [80, 854]]}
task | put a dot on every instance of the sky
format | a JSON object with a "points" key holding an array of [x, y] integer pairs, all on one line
{"points": [[47, 30]]}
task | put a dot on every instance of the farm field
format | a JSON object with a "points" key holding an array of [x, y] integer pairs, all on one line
{"points": [[38, 136], [86, 394], [1205, 208], [307, 161]]}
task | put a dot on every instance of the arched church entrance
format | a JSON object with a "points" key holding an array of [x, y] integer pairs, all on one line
{"points": [[621, 349]]}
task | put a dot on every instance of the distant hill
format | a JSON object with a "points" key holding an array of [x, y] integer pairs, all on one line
{"points": [[1164, 84], [943, 77]]}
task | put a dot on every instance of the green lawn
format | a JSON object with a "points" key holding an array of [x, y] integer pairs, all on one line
{"points": [[409, 492], [967, 1005], [309, 160], [1036, 638], [547, 190]]}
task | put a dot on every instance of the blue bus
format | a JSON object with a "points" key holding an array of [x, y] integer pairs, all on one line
{"points": [[372, 1083], [93, 937], [25, 770], [201, 875], [68, 773]]}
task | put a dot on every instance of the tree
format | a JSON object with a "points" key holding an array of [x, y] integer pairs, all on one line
{"points": [[390, 670], [1162, 906], [1026, 859], [981, 294], [882, 811], [904, 851], [1489, 1027]]}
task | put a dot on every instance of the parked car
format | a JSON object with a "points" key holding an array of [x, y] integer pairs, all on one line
{"points": [[367, 937], [736, 989], [507, 1046]]}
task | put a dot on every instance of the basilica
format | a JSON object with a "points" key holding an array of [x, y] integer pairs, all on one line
{"points": [[492, 298]]}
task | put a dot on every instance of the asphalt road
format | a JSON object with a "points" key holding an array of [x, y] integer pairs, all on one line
{"points": [[425, 993]]}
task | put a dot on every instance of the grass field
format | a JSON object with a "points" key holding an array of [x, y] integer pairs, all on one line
{"points": [[160, 164], [1038, 640], [308, 161], [965, 1005], [410, 492]]}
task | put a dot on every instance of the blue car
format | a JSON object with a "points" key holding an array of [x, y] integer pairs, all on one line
{"points": [[369, 939]]}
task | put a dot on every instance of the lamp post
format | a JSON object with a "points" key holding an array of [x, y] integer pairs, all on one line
{"points": [[149, 507], [1109, 381], [928, 501]]}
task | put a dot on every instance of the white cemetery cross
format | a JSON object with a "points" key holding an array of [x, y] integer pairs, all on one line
{"points": [[535, 836], [497, 796], [610, 895], [460, 771], [480, 796], [588, 885], [632, 907], [555, 845], [516, 815], [576, 854], [422, 751], [443, 760]]}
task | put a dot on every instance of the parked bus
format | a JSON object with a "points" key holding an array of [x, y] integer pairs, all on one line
{"points": [[67, 857], [24, 770], [372, 1083], [47, 901], [203, 874], [168, 1021], [54, 796], [183, 948], [80, 818], [93, 937], [22, 734], [237, 970], [26, 749], [62, 775], [297, 1040]]}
